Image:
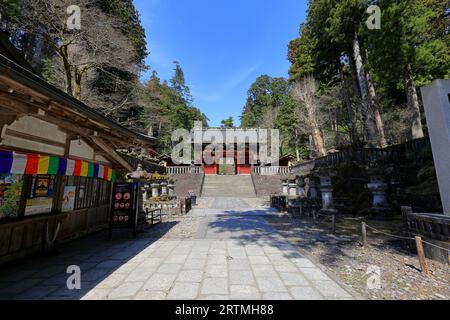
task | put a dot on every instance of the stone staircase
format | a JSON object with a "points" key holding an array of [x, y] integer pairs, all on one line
{"points": [[228, 187]]}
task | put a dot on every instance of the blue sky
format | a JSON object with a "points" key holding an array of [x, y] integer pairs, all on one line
{"points": [[222, 45]]}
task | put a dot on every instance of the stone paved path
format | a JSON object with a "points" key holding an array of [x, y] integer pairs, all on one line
{"points": [[235, 254]]}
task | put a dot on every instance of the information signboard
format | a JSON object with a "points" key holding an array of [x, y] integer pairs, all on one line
{"points": [[124, 206]]}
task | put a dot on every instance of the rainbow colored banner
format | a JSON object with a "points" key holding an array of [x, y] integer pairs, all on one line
{"points": [[32, 164]]}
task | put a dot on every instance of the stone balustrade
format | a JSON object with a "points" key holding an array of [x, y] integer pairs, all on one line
{"points": [[273, 170], [409, 151], [184, 170], [434, 226]]}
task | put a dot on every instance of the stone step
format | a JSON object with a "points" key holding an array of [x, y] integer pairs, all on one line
{"points": [[228, 186]]}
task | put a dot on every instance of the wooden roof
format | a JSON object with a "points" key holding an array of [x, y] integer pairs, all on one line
{"points": [[29, 93], [24, 93]]}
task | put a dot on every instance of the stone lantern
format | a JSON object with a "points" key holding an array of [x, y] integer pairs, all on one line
{"points": [[155, 190], [292, 186], [138, 174], [326, 188], [378, 189], [146, 192], [313, 188], [285, 185], [301, 184], [292, 189], [171, 190], [164, 191]]}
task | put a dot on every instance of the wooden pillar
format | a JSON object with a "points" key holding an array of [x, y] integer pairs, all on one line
{"points": [[421, 254]]}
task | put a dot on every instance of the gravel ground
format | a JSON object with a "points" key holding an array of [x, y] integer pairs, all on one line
{"points": [[345, 259], [174, 227]]}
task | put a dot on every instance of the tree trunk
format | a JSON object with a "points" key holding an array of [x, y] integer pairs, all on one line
{"points": [[318, 141], [376, 111], [350, 114], [357, 94], [297, 147], [370, 129], [413, 104], [77, 87], [67, 70]]}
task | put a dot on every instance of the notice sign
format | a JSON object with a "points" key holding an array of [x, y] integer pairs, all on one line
{"points": [[124, 205], [40, 197], [68, 203]]}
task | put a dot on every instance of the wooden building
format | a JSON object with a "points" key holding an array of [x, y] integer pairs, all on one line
{"points": [[58, 160], [240, 157]]}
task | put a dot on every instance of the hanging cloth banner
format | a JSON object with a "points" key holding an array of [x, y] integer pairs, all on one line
{"points": [[33, 164]]}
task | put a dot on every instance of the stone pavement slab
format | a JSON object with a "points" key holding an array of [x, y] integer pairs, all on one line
{"points": [[236, 254]]}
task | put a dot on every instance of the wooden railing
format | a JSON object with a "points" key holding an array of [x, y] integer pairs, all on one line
{"points": [[184, 170], [275, 170]]}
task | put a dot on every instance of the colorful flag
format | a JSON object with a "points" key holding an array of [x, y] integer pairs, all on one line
{"points": [[6, 161], [110, 174], [43, 165], [53, 167], [32, 164], [101, 172], [96, 170], [84, 169], [70, 167], [90, 173], [106, 173], [62, 167], [77, 168], [19, 163]]}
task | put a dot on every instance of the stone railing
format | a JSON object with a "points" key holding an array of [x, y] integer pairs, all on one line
{"points": [[275, 170], [409, 151], [184, 170], [434, 226]]}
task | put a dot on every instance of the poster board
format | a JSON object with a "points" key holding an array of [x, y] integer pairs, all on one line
{"points": [[124, 206], [68, 203], [40, 197], [10, 193]]}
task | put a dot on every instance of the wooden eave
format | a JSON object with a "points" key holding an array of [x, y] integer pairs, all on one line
{"points": [[23, 93]]}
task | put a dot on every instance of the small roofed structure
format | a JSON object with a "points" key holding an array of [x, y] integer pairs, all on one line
{"points": [[287, 160]]}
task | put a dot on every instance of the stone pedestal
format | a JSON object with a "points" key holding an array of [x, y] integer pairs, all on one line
{"points": [[301, 188], [164, 191], [146, 192], [437, 109], [171, 188], [292, 189], [155, 190], [326, 187], [313, 188], [378, 189], [285, 187]]}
